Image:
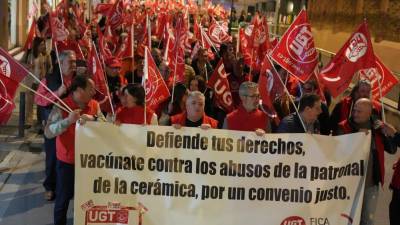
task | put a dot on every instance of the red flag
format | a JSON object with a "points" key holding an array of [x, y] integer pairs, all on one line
{"points": [[11, 74], [104, 50], [103, 8], [243, 47], [115, 16], [176, 53], [268, 84], [220, 84], [257, 40], [156, 89], [59, 32], [356, 54], [218, 33], [125, 50], [10, 68], [8, 88], [161, 24], [96, 71], [31, 36], [379, 73], [296, 51]]}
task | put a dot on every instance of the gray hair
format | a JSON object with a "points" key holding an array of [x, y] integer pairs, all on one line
{"points": [[246, 86], [65, 54], [193, 94]]}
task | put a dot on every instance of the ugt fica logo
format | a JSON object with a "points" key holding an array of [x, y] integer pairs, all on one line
{"points": [[293, 220], [112, 213], [300, 44]]}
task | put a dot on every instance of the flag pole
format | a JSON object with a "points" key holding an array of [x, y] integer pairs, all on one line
{"points": [[58, 60], [148, 30], [48, 99], [45, 86], [132, 49], [146, 75], [288, 94], [105, 78], [381, 100]]}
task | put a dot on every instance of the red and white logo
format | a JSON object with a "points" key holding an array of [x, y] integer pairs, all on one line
{"points": [[5, 102], [5, 66], [357, 47], [293, 220], [219, 33], [300, 44], [151, 84]]}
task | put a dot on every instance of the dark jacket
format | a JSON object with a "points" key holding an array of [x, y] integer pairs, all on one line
{"points": [[292, 124]]}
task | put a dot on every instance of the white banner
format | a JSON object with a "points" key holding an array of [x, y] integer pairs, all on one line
{"points": [[162, 175]]}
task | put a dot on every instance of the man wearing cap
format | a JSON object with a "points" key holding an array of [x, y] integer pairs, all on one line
{"points": [[115, 82]]}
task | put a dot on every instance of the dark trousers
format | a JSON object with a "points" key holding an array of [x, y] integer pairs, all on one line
{"points": [[64, 191], [394, 208], [51, 159]]}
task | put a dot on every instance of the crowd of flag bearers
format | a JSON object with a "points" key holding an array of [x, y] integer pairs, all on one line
{"points": [[173, 64]]}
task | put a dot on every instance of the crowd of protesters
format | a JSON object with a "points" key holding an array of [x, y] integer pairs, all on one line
{"points": [[65, 72]]}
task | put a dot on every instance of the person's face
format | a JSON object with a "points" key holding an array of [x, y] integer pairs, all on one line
{"points": [[68, 65], [313, 112], [308, 88], [361, 113], [86, 94], [130, 100], [194, 85], [195, 107], [139, 66], [251, 99], [364, 91]]}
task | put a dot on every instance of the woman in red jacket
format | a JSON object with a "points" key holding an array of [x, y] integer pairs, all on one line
{"points": [[133, 112]]}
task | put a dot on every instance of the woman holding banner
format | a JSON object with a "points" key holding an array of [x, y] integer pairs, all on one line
{"points": [[134, 110]]}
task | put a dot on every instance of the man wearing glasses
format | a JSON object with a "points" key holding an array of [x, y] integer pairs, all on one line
{"points": [[247, 117]]}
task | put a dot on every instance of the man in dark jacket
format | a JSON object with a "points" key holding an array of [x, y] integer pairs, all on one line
{"points": [[309, 110], [361, 120]]}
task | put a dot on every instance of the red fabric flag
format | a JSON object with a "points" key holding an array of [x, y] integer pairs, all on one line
{"points": [[196, 30], [161, 24], [125, 50], [218, 33], [257, 40], [155, 87], [379, 73], [220, 84], [31, 36], [10, 68], [269, 85], [356, 54], [103, 8], [96, 71], [11, 74], [115, 17], [104, 50], [176, 53], [296, 51], [8, 88], [70, 45], [243, 47], [59, 32]]}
